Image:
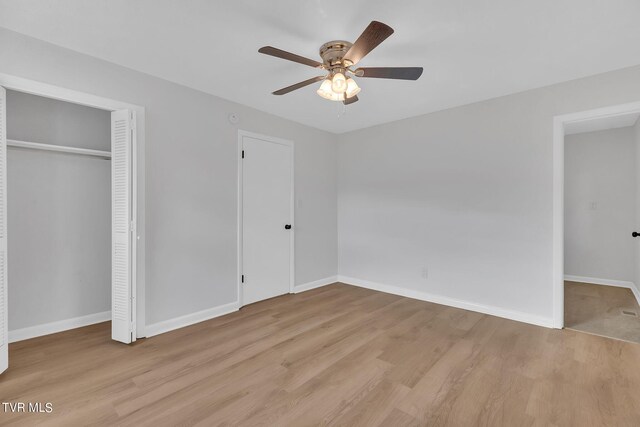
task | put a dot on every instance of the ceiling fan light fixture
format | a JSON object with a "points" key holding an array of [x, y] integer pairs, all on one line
{"points": [[337, 58], [338, 83], [326, 91], [352, 88]]}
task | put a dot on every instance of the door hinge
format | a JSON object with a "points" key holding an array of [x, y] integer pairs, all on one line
{"points": [[132, 226], [243, 154], [243, 278]]}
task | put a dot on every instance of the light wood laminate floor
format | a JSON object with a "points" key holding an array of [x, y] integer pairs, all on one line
{"points": [[337, 355], [608, 311]]}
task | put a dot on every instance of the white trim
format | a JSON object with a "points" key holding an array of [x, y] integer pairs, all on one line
{"points": [[598, 281], [133, 230], [558, 195], [600, 113], [315, 284], [636, 293], [68, 95], [59, 326], [63, 94], [292, 240], [452, 302], [191, 319], [605, 282], [558, 224], [239, 224], [58, 148]]}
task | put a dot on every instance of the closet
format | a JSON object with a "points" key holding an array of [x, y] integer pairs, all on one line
{"points": [[67, 204], [59, 213]]}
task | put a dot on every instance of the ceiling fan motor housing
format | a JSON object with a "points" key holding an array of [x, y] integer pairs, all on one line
{"points": [[332, 53]]}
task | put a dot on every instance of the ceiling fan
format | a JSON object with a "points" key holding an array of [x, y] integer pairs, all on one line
{"points": [[338, 58]]}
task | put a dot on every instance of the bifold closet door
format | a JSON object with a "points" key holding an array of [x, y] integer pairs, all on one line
{"points": [[4, 322], [122, 295]]}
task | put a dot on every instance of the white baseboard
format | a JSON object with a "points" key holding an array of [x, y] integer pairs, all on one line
{"points": [[596, 281], [605, 282], [636, 293], [190, 319], [59, 326], [315, 284], [452, 302]]}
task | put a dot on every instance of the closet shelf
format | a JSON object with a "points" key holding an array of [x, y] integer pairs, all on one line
{"points": [[59, 148]]}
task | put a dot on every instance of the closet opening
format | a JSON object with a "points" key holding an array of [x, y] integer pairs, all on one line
{"points": [[58, 215], [69, 217], [58, 161]]}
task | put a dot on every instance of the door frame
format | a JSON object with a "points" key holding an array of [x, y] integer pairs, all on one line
{"points": [[558, 194], [270, 139], [138, 173]]}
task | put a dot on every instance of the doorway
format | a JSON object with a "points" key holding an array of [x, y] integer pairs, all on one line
{"points": [[265, 206], [122, 148], [596, 210]]}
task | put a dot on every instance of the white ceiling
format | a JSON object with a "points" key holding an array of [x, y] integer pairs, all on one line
{"points": [[470, 50], [601, 123]]}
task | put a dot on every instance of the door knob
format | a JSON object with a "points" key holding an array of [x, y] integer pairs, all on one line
{"points": [[635, 234], [288, 227]]}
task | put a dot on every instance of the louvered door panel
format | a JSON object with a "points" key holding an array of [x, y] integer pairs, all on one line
{"points": [[4, 323], [121, 292]]}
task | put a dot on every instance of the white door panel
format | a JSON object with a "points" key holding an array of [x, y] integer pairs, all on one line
{"points": [[121, 184], [266, 202], [4, 321]]}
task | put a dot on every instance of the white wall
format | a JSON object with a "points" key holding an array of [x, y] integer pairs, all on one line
{"points": [[59, 213], [465, 193], [600, 204], [191, 175], [38, 119]]}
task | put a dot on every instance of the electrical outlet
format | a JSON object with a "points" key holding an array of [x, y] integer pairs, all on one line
{"points": [[425, 273], [593, 206]]}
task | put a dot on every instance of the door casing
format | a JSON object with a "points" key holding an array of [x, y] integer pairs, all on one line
{"points": [[559, 122], [138, 185], [241, 135]]}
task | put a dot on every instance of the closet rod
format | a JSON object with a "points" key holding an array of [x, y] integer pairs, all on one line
{"points": [[59, 148]]}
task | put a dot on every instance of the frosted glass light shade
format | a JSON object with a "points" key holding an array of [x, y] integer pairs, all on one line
{"points": [[338, 83], [352, 88], [326, 92]]}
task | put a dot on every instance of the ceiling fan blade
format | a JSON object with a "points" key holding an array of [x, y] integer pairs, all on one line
{"points": [[299, 85], [375, 33], [400, 73], [279, 53], [350, 100]]}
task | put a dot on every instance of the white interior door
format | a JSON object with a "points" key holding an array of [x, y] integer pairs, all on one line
{"points": [[4, 322], [636, 130], [122, 292], [267, 233]]}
